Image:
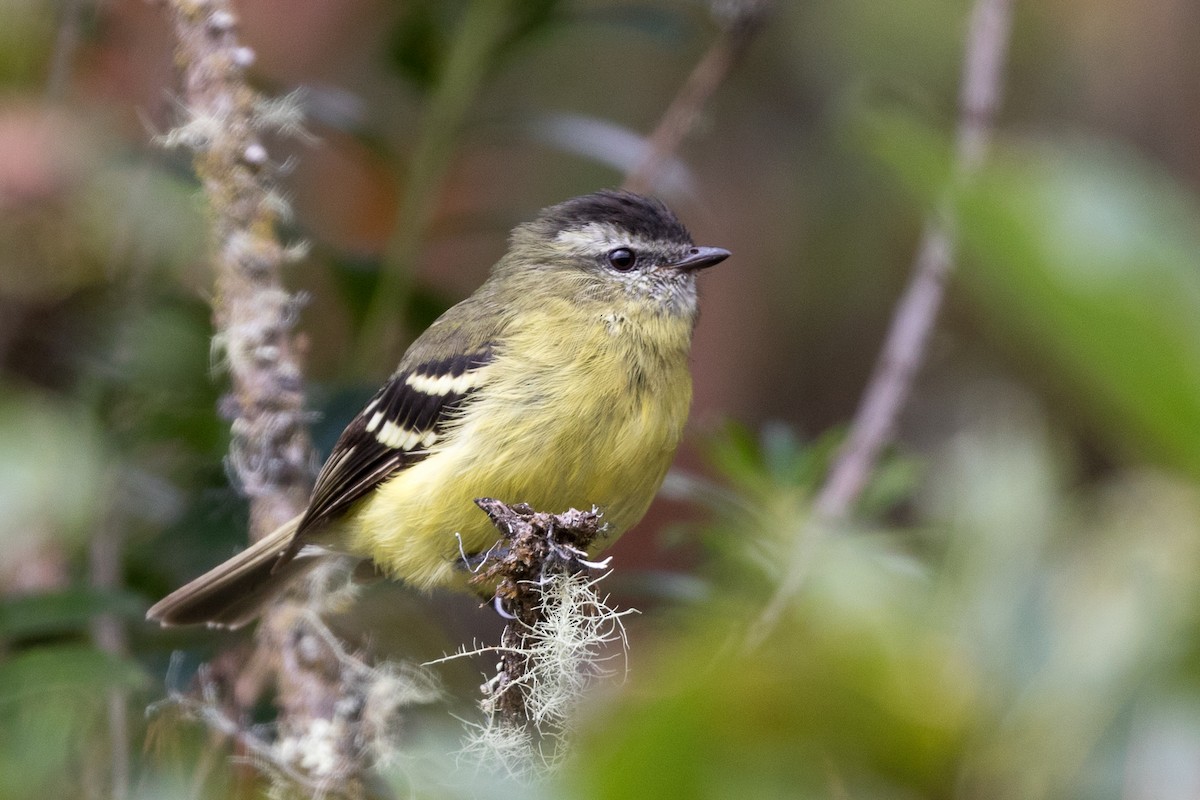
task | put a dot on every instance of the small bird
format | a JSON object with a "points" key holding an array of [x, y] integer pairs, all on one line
{"points": [[562, 382]]}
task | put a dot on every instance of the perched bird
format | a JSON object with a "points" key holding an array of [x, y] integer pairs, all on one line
{"points": [[562, 382]]}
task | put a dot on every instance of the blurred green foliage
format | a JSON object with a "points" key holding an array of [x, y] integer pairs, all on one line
{"points": [[1103, 247], [1086, 255], [25, 37], [1015, 613], [1010, 660], [52, 705]]}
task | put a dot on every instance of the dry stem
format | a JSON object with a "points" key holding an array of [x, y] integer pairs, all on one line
{"points": [[904, 348], [742, 20]]}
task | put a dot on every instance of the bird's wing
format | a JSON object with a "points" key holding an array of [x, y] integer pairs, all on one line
{"points": [[437, 377], [395, 430]]}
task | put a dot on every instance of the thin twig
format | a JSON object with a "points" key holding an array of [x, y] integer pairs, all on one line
{"points": [[483, 29], [743, 19], [66, 45], [216, 721], [904, 348], [104, 562]]}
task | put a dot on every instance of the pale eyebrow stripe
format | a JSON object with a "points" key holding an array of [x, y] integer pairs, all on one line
{"points": [[597, 237]]}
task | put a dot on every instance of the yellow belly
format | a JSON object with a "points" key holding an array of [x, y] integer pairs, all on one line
{"points": [[549, 431]]}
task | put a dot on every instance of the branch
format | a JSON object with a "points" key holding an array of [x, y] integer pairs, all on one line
{"points": [[361, 727], [254, 315], [550, 649], [271, 457], [538, 546], [904, 348], [742, 20]]}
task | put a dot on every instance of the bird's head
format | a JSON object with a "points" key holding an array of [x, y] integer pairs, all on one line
{"points": [[608, 245]]}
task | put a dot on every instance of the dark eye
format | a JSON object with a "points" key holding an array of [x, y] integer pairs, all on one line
{"points": [[622, 258]]}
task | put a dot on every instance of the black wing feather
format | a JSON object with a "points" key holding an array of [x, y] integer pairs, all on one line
{"points": [[360, 461]]}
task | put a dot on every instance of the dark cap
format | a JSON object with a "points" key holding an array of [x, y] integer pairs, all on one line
{"points": [[643, 217]]}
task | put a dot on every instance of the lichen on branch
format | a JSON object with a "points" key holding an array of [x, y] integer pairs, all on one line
{"points": [[556, 641], [333, 708], [224, 120]]}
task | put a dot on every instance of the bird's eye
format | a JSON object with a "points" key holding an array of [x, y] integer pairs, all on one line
{"points": [[622, 258]]}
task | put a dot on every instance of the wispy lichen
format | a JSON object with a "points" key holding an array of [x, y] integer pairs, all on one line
{"points": [[329, 755], [561, 637]]}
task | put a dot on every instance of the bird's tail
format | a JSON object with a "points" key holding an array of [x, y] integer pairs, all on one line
{"points": [[234, 593]]}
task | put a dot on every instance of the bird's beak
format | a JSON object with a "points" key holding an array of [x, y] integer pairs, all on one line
{"points": [[700, 258]]}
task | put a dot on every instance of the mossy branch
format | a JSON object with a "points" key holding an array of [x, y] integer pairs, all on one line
{"points": [[553, 645], [328, 703], [254, 315], [326, 755]]}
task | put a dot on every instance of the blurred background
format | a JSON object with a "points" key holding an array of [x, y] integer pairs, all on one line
{"points": [[1014, 613]]}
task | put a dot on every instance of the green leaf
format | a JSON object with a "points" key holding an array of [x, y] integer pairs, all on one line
{"points": [[1085, 258], [1089, 257], [65, 669], [856, 688], [51, 701], [52, 472], [911, 150], [26, 37], [63, 612]]}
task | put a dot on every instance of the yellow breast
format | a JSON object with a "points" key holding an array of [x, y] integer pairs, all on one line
{"points": [[593, 420]]}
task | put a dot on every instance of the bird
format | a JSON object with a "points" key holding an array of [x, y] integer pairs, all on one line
{"points": [[564, 381]]}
